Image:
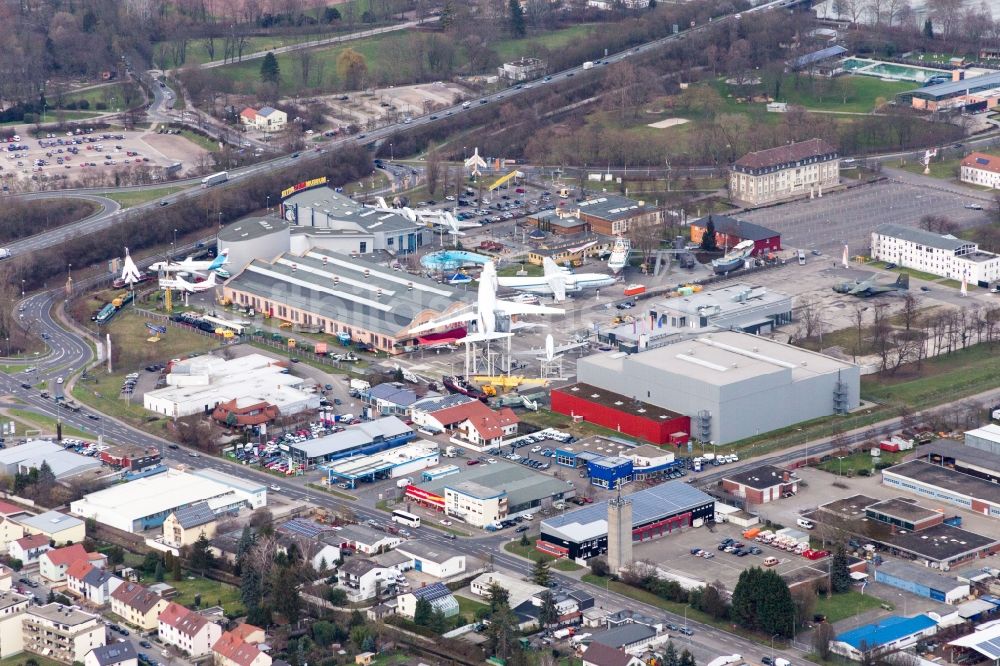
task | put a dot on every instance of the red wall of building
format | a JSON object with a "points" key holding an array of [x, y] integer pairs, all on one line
{"points": [[655, 431]]}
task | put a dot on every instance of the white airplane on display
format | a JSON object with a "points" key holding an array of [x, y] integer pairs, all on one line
{"points": [[551, 352], [441, 218], [179, 283], [189, 265], [486, 311], [557, 281]]}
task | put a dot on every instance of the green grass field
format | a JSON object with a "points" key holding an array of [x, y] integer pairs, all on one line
{"points": [[943, 169], [105, 94], [23, 659], [849, 94], [841, 606], [197, 50], [129, 198], [201, 141], [46, 423], [850, 465], [213, 593], [468, 607], [380, 52]]}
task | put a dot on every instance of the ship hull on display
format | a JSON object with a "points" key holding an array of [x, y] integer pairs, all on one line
{"points": [[619, 255], [457, 384]]}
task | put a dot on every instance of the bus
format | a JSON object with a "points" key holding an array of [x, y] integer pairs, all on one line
{"points": [[215, 179], [405, 518]]}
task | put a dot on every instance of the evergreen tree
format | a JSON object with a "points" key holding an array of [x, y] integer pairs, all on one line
{"points": [[499, 597], [776, 608], [524, 539], [502, 633], [175, 569], [158, 575], [243, 546], [251, 590], [687, 659], [745, 598], [201, 556], [708, 243], [438, 622], [547, 614], [286, 599], [270, 72], [670, 657], [422, 613], [928, 29], [516, 18], [840, 575], [540, 573]]}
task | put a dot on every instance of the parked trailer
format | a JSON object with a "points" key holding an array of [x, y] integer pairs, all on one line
{"points": [[215, 179]]}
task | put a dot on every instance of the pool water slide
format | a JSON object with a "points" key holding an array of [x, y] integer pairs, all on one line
{"points": [[452, 259]]}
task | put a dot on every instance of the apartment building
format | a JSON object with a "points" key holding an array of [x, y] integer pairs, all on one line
{"points": [[61, 632], [187, 630]]}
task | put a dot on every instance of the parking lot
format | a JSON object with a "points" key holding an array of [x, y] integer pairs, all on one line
{"points": [[87, 155]]}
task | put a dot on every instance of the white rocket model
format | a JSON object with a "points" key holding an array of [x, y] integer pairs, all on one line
{"points": [[844, 259], [485, 312], [130, 272], [965, 285]]}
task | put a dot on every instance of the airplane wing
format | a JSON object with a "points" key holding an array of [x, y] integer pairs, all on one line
{"points": [[861, 287], [464, 318], [510, 308], [558, 284]]}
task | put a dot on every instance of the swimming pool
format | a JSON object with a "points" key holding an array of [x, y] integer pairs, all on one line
{"points": [[891, 70], [449, 259]]}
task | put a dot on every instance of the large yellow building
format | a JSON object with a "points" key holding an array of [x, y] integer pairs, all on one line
{"points": [[803, 168]]}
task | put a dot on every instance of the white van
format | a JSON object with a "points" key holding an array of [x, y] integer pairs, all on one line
{"points": [[805, 524], [402, 483]]}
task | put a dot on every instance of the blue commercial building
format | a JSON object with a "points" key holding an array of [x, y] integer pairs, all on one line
{"points": [[890, 633], [610, 472], [361, 439], [922, 581]]}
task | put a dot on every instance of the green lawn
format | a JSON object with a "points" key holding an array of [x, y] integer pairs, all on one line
{"points": [[510, 270], [382, 53], [913, 273], [851, 94], [529, 552], [23, 658], [943, 169], [840, 606], [200, 141], [943, 378], [213, 593], [466, 607], [105, 94], [850, 465], [197, 52], [129, 198]]}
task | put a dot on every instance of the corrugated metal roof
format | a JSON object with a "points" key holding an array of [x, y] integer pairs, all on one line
{"points": [[886, 630]]}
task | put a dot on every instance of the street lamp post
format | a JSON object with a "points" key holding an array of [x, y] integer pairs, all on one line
{"points": [[173, 246], [772, 647]]}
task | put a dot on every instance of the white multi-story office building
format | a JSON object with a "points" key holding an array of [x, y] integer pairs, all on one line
{"points": [[943, 255], [806, 167]]}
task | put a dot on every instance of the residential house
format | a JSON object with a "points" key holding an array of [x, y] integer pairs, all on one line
{"points": [[12, 608], [440, 598], [10, 530], [6, 577], [327, 555], [599, 654], [362, 579], [265, 119], [439, 414], [137, 605], [29, 548], [523, 69], [62, 632], [232, 649], [116, 654], [364, 539], [60, 528], [798, 169], [186, 525], [52, 565], [187, 630], [91, 584], [488, 429]]}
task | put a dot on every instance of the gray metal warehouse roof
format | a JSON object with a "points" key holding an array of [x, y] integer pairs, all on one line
{"points": [[354, 291], [976, 83], [340, 207], [648, 505], [354, 436], [251, 227]]}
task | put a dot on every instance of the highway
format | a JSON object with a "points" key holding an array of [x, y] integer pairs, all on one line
{"points": [[111, 217]]}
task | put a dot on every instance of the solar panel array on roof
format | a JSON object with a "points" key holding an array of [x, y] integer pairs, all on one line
{"points": [[300, 527], [431, 592], [982, 160]]}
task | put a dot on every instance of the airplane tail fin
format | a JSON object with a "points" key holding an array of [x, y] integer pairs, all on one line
{"points": [[903, 281]]}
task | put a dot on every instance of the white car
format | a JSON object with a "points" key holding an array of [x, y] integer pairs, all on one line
{"points": [[536, 449], [445, 522], [491, 461], [275, 487], [59, 381], [528, 516]]}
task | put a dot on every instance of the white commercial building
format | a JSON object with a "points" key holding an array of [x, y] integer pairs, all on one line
{"points": [[392, 464], [31, 455], [797, 169], [518, 590], [199, 384], [943, 255], [732, 385], [254, 491], [145, 503], [433, 560]]}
